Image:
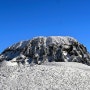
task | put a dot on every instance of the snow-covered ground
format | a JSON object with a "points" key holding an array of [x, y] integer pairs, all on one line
{"points": [[18, 70], [49, 76]]}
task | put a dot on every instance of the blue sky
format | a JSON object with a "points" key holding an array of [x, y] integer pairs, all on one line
{"points": [[24, 19]]}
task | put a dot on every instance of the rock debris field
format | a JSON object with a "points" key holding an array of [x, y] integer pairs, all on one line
{"points": [[45, 63]]}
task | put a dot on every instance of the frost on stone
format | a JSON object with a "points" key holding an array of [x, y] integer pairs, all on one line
{"points": [[45, 63], [47, 49]]}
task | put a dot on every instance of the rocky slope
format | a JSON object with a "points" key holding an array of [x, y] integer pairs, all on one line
{"points": [[50, 76], [46, 49], [45, 63]]}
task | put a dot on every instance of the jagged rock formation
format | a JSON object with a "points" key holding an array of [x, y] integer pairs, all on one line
{"points": [[59, 69], [46, 49]]}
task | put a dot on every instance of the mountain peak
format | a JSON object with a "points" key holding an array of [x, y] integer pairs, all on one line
{"points": [[46, 49]]}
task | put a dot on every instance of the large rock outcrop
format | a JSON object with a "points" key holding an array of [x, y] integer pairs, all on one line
{"points": [[46, 49], [63, 65]]}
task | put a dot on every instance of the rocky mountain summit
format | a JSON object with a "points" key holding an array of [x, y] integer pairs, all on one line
{"points": [[45, 63], [46, 49]]}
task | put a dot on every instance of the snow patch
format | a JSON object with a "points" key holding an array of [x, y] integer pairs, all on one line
{"points": [[9, 63]]}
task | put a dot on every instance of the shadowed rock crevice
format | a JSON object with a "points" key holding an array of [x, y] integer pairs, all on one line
{"points": [[47, 49]]}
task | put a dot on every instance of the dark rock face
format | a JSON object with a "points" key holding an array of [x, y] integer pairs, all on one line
{"points": [[47, 49]]}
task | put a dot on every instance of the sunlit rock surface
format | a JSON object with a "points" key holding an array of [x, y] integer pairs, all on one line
{"points": [[45, 63], [47, 49]]}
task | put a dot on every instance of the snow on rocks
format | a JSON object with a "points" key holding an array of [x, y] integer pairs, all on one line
{"points": [[49, 76], [45, 63], [52, 48]]}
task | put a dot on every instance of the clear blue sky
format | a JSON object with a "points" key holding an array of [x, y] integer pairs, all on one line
{"points": [[24, 19]]}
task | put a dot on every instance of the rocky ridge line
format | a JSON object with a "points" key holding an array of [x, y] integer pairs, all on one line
{"points": [[46, 49]]}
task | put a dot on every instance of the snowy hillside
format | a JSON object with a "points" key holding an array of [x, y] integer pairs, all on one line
{"points": [[50, 76], [45, 63]]}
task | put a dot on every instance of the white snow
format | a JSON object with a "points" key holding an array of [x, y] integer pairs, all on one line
{"points": [[1, 56], [47, 41], [20, 45], [60, 40], [50, 76], [10, 63], [65, 53]]}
